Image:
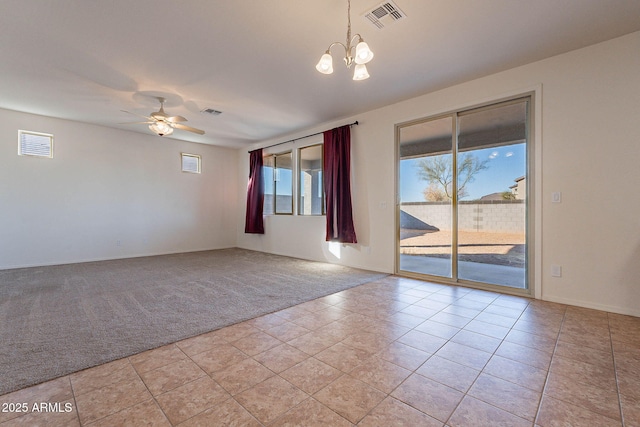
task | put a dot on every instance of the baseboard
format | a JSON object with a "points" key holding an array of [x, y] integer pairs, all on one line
{"points": [[594, 306], [361, 267], [80, 261]]}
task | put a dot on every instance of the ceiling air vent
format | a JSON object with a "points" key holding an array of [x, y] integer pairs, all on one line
{"points": [[384, 14], [211, 111]]}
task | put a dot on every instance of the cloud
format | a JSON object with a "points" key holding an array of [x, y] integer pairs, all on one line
{"points": [[494, 155], [509, 154]]}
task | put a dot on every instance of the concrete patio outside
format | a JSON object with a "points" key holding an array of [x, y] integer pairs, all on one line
{"points": [[487, 257]]}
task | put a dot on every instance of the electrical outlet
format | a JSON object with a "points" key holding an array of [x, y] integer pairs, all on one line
{"points": [[118, 243]]}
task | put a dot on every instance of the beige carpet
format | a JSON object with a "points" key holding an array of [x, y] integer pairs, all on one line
{"points": [[60, 319]]}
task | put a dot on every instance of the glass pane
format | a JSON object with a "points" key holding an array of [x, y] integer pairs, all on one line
{"points": [[492, 168], [425, 197], [283, 183], [311, 198], [268, 163]]}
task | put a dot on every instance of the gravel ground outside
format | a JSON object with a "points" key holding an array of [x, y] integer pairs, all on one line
{"points": [[474, 246]]}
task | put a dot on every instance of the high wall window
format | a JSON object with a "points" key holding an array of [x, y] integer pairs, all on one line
{"points": [[310, 191], [191, 163], [278, 183], [35, 144]]}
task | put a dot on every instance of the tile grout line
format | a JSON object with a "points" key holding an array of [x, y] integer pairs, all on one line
{"points": [[449, 340], [73, 395], [482, 370], [558, 341], [150, 393], [615, 371], [231, 396], [546, 380], [387, 395]]}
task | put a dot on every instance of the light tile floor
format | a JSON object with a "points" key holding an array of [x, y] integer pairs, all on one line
{"points": [[392, 352]]}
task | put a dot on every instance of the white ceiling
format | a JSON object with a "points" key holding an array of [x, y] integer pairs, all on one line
{"points": [[87, 60]]}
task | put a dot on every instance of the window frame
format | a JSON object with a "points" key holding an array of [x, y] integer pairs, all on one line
{"points": [[274, 157], [321, 179], [267, 179]]}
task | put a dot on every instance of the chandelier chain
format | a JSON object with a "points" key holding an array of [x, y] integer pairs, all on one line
{"points": [[348, 23]]}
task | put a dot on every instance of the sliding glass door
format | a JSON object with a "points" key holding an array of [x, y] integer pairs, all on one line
{"points": [[426, 214], [462, 186]]}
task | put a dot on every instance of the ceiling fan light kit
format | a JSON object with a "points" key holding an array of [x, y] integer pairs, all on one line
{"points": [[361, 56], [161, 128], [162, 124]]}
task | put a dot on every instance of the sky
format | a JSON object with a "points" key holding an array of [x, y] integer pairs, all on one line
{"points": [[505, 165], [284, 181]]}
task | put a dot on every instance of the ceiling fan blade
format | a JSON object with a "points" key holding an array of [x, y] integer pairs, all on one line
{"points": [[176, 119], [159, 115], [136, 123], [187, 128], [139, 115]]}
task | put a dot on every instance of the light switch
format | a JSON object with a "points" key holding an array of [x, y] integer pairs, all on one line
{"points": [[556, 197]]}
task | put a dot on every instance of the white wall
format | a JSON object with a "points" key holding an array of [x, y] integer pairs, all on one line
{"points": [[105, 186], [589, 150]]}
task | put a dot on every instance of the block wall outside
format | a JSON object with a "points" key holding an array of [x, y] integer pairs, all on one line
{"points": [[492, 216]]}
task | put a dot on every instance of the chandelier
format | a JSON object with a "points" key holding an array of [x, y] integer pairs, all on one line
{"points": [[362, 53]]}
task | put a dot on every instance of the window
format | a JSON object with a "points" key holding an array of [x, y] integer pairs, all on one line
{"points": [[278, 183], [279, 173], [35, 144], [310, 191], [191, 163]]}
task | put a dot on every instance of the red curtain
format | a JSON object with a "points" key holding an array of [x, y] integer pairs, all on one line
{"points": [[255, 195], [337, 185]]}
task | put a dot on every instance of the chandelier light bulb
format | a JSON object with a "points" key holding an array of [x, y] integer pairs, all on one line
{"points": [[363, 53], [360, 73], [325, 65]]}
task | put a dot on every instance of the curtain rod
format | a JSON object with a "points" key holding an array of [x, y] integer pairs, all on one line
{"points": [[302, 137]]}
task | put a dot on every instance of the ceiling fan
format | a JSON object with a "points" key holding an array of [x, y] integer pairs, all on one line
{"points": [[163, 124]]}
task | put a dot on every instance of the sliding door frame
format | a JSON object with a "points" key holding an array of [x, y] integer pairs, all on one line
{"points": [[533, 210]]}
